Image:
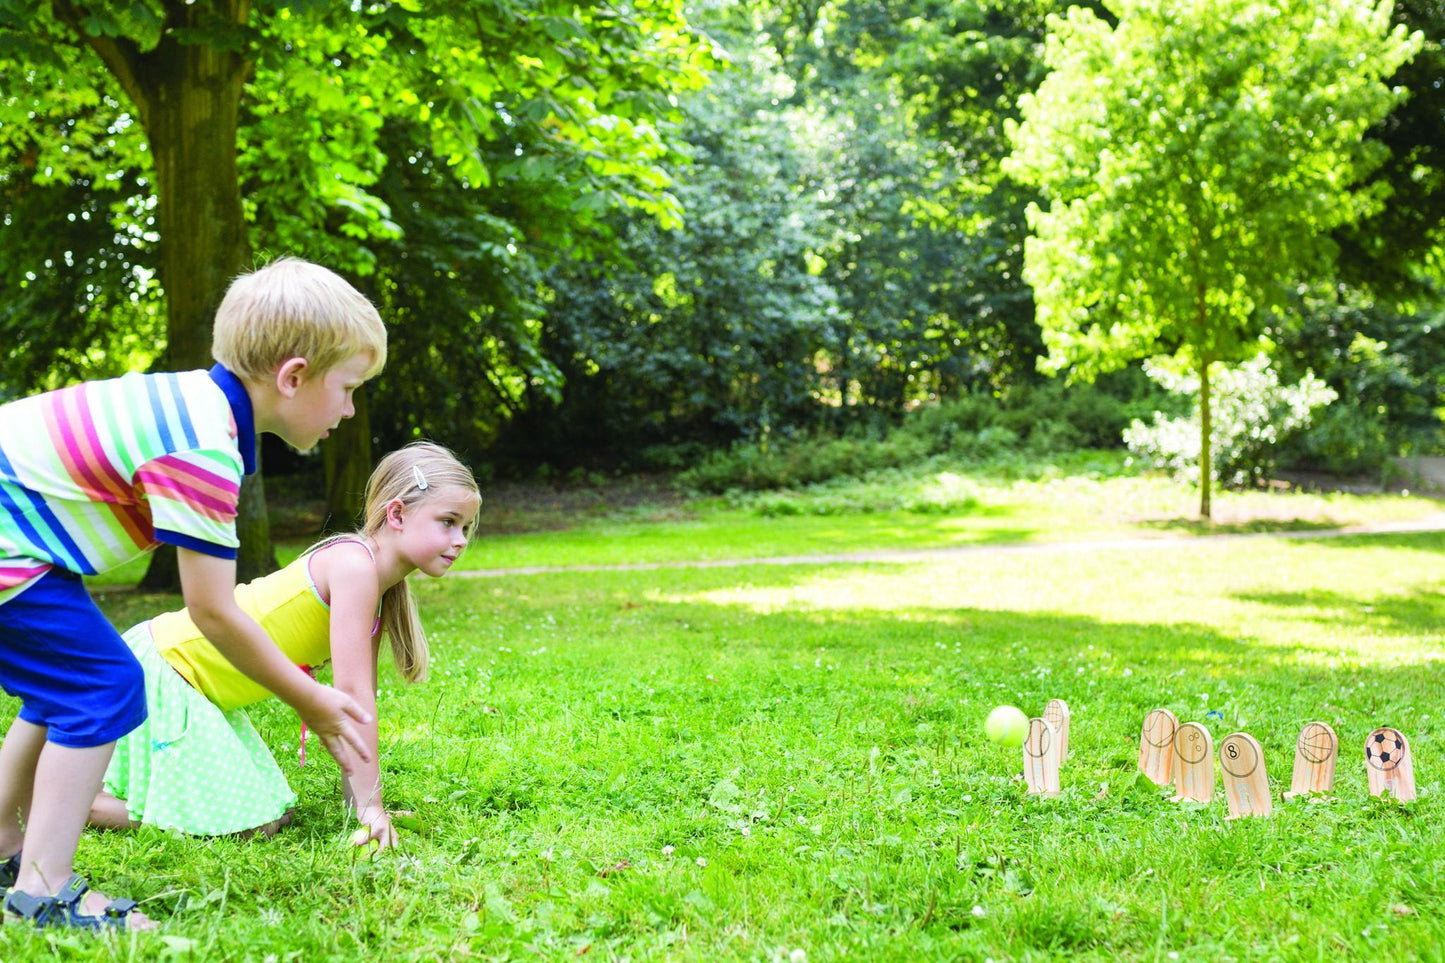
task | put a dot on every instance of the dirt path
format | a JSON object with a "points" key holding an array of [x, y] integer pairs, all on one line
{"points": [[1432, 523]]}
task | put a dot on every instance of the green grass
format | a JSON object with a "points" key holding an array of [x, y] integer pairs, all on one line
{"points": [[926, 507], [705, 764]]}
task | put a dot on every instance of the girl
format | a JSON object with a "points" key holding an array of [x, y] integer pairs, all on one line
{"points": [[197, 764]]}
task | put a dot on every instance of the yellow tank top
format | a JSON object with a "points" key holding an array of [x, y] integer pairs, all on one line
{"points": [[285, 603]]}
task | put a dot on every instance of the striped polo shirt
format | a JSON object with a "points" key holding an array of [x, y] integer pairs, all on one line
{"points": [[94, 475]]}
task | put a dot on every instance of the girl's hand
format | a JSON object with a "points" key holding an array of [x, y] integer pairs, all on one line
{"points": [[379, 830]]}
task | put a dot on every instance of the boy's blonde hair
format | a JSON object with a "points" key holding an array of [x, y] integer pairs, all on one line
{"points": [[292, 308], [400, 476]]}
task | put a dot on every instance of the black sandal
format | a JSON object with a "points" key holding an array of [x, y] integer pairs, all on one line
{"points": [[63, 909], [9, 873]]}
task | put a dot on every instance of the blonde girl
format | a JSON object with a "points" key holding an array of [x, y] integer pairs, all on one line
{"points": [[197, 764]]}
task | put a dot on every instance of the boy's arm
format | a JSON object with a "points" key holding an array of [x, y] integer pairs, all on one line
{"points": [[351, 578], [208, 584]]}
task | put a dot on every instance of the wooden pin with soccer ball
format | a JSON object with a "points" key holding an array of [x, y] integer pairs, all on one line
{"points": [[1388, 766]]}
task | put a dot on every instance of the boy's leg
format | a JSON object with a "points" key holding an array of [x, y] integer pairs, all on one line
{"points": [[80, 685], [66, 780], [18, 755]]}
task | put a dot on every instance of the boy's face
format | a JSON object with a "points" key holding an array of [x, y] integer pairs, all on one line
{"points": [[317, 403]]}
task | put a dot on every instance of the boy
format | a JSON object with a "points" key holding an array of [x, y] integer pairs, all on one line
{"points": [[94, 475]]}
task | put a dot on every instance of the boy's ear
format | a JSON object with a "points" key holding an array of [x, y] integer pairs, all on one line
{"points": [[290, 375]]}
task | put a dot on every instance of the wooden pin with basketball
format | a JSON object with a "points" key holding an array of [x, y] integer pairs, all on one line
{"points": [[1246, 787], [1193, 763], [1156, 746], [1315, 752], [1387, 764]]}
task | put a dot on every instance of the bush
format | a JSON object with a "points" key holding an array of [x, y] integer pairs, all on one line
{"points": [[1253, 413], [1025, 421]]}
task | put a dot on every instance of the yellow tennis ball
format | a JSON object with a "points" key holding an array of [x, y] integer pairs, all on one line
{"points": [[1007, 726]]}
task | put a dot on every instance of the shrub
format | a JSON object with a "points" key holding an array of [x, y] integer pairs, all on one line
{"points": [[1253, 413]]}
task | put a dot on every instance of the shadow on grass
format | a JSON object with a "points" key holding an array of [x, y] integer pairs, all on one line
{"points": [[1255, 526], [1406, 614], [1432, 542]]}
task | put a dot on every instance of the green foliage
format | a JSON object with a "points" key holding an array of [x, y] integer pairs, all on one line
{"points": [[1389, 370], [1254, 417], [1028, 421], [441, 156], [1194, 159]]}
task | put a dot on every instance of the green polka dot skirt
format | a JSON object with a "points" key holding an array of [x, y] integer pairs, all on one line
{"points": [[191, 766]]}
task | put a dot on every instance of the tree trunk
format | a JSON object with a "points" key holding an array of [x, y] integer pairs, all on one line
{"points": [[347, 454], [188, 96], [1206, 461]]}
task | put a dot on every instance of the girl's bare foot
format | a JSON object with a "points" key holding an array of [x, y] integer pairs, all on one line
{"points": [[270, 829]]}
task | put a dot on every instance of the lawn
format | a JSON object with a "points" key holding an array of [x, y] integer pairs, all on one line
{"points": [[744, 763]]}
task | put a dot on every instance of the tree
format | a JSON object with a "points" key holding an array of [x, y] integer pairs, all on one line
{"points": [[560, 98], [1194, 159]]}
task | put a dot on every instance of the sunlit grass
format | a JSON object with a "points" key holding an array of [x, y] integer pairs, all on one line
{"points": [[717, 764]]}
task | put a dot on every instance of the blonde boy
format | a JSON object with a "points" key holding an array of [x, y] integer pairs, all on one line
{"points": [[94, 475]]}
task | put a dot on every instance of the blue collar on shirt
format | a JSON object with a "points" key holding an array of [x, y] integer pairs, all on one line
{"points": [[235, 393]]}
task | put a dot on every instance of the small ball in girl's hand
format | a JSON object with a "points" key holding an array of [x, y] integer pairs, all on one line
{"points": [[1007, 726]]}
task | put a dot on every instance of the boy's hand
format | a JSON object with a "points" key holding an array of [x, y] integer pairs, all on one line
{"points": [[333, 715]]}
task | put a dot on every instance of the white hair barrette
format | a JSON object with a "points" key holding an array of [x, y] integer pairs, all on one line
{"points": [[416, 474]]}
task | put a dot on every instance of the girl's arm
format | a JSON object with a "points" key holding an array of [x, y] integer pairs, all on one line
{"points": [[346, 573]]}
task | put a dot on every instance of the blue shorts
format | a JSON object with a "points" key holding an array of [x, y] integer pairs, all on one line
{"points": [[68, 666]]}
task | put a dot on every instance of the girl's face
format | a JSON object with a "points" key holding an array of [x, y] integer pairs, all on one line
{"points": [[432, 533]]}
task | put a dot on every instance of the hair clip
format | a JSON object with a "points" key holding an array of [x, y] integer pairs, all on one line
{"points": [[419, 477]]}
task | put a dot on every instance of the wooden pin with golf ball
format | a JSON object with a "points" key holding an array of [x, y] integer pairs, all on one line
{"points": [[1156, 746], [1315, 752], [1387, 764], [1246, 787], [1193, 763]]}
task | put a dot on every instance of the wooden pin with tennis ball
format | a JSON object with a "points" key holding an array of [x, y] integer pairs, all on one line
{"points": [[1041, 758], [1056, 713], [1156, 746]]}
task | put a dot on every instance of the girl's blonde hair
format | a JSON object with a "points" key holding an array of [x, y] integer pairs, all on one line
{"points": [[410, 475]]}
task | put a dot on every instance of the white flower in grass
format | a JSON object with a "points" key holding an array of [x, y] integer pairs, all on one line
{"points": [[799, 955], [702, 860], [667, 850], [746, 831], [980, 912], [802, 820], [547, 854]]}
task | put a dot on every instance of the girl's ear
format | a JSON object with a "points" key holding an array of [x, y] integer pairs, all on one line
{"points": [[395, 514]]}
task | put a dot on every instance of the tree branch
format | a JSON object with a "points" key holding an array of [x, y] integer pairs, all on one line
{"points": [[121, 56]]}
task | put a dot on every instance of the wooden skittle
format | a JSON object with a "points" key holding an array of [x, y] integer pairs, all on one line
{"points": [[1193, 763], [1041, 759], [1315, 753], [1156, 746], [1246, 787], [1387, 764], [1056, 713]]}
